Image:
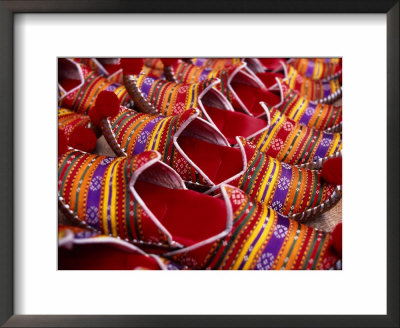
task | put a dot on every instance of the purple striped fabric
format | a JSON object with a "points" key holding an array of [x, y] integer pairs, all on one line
{"points": [[323, 146], [146, 85], [199, 61], [310, 69], [280, 194], [308, 113], [142, 139], [271, 251], [113, 86], [327, 89], [255, 241], [205, 73], [93, 198]]}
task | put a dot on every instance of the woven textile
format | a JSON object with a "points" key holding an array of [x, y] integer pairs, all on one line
{"points": [[262, 239], [153, 67], [317, 68], [310, 89], [96, 67], [209, 69], [171, 98], [69, 120], [285, 140], [217, 63], [294, 143], [73, 232], [96, 189], [288, 189], [314, 115], [137, 132], [83, 99]]}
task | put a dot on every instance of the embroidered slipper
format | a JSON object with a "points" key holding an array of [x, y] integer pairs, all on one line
{"points": [[84, 249], [255, 237], [216, 63], [233, 75], [78, 86], [171, 98], [313, 68], [108, 67], [245, 92], [262, 239], [138, 199], [318, 68], [319, 116], [77, 128], [297, 144], [187, 143], [318, 91], [248, 95], [321, 91], [153, 67], [314, 115], [274, 134], [282, 138], [154, 95], [157, 67]]}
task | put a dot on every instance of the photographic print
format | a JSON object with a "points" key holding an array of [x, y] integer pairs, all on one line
{"points": [[199, 163]]}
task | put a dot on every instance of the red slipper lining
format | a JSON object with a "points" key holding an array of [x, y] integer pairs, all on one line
{"points": [[69, 84], [102, 257], [218, 162], [68, 74], [251, 97], [233, 124], [272, 63], [269, 79], [189, 216]]}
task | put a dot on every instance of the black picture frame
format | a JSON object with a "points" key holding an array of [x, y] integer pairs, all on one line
{"points": [[7, 198]]}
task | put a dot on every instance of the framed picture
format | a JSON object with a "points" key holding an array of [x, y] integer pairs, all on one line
{"points": [[36, 35]]}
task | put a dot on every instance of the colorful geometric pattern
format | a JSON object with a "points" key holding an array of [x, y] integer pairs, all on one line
{"points": [[333, 60], [284, 137], [274, 189], [180, 97], [96, 189], [171, 98], [314, 115], [153, 67], [78, 232], [69, 120], [217, 63], [294, 143], [262, 239], [288, 189], [317, 68], [210, 69], [310, 89], [137, 132], [117, 77], [83, 99]]}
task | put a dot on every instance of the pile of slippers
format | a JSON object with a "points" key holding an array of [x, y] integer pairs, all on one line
{"points": [[218, 163]]}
